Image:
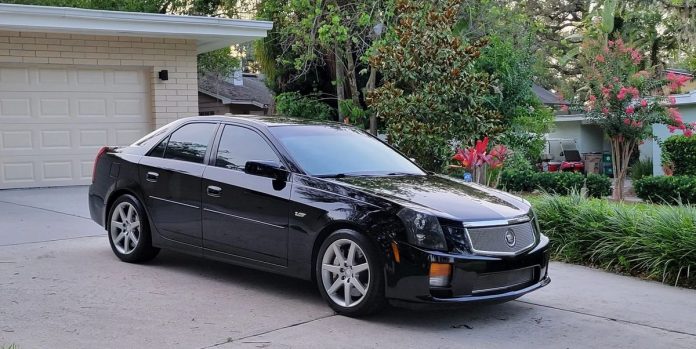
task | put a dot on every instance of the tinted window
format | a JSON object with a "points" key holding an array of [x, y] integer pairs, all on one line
{"points": [[190, 142], [239, 145], [158, 152], [323, 150]]}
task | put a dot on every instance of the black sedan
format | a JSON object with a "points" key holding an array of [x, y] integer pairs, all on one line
{"points": [[319, 201]]}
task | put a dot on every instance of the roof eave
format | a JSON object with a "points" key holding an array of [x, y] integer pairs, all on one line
{"points": [[210, 33]]}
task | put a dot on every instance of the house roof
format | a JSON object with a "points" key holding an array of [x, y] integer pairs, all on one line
{"points": [[686, 98], [547, 97], [210, 33], [252, 91]]}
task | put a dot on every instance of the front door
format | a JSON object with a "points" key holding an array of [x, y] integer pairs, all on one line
{"points": [[171, 180], [244, 215]]}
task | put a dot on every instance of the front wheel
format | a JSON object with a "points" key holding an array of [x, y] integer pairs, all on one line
{"points": [[350, 274], [129, 233]]}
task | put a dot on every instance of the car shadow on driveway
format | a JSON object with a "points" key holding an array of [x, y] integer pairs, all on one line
{"points": [[283, 287], [275, 285]]}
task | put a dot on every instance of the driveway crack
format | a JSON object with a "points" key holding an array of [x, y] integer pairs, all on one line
{"points": [[231, 340], [45, 209], [610, 318]]}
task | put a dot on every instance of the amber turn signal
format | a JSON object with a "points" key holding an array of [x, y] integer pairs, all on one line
{"points": [[440, 274]]}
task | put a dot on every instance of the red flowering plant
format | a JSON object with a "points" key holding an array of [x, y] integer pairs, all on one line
{"points": [[625, 101], [477, 160]]}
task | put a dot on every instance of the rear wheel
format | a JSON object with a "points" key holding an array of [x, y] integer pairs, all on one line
{"points": [[350, 274], [129, 233]]}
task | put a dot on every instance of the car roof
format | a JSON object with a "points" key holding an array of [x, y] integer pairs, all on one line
{"points": [[265, 120]]}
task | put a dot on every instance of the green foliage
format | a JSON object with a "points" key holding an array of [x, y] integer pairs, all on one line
{"points": [[356, 115], [641, 168], [219, 62], [561, 183], [667, 189], [681, 150], [654, 241], [525, 119], [432, 94], [597, 185], [293, 104]]}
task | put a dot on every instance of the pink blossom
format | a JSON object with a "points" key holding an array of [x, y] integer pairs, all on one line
{"points": [[605, 110], [610, 43], [643, 103], [688, 132], [599, 58], [633, 91], [622, 94], [672, 100], [675, 115], [636, 57], [676, 80], [593, 98], [606, 91], [627, 121], [564, 108], [630, 110], [637, 124], [671, 128]]}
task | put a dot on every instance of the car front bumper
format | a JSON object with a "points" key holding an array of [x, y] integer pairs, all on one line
{"points": [[408, 281]]}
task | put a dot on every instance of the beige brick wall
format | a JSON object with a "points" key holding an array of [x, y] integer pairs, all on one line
{"points": [[171, 99]]}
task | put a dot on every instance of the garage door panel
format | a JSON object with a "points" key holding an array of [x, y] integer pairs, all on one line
{"points": [[54, 119], [52, 139]]}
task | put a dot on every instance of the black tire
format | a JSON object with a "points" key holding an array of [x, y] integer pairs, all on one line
{"points": [[143, 249], [373, 299]]}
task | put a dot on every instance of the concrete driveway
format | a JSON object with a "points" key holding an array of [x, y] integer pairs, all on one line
{"points": [[61, 287]]}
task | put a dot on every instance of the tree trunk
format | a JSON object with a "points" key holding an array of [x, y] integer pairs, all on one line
{"points": [[340, 78], [621, 151], [371, 82], [350, 73]]}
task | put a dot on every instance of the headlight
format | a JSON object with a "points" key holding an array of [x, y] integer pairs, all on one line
{"points": [[423, 229]]}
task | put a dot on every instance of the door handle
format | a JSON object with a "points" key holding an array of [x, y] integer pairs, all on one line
{"points": [[152, 176], [214, 191]]}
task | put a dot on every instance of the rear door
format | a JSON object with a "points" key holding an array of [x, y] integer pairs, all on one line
{"points": [[171, 180], [244, 215]]}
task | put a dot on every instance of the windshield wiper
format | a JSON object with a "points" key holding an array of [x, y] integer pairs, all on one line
{"points": [[337, 175], [402, 174]]}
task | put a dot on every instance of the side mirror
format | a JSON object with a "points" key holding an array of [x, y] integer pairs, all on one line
{"points": [[270, 169]]}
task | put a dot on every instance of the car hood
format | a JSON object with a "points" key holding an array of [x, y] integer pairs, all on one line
{"points": [[444, 196]]}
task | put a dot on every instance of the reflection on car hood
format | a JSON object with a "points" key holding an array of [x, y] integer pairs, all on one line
{"points": [[447, 197]]}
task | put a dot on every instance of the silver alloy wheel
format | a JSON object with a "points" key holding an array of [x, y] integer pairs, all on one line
{"points": [[125, 228], [345, 273]]}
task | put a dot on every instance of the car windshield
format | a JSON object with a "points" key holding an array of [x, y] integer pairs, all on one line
{"points": [[336, 151]]}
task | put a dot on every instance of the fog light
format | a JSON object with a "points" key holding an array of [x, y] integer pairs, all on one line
{"points": [[440, 274]]}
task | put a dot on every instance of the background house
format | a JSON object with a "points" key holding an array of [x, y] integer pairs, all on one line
{"points": [[590, 138], [73, 80], [240, 94]]}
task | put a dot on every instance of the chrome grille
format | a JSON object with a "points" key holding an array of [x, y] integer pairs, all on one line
{"points": [[497, 240]]}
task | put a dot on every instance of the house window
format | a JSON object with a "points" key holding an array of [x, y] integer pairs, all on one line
{"points": [[206, 113]]}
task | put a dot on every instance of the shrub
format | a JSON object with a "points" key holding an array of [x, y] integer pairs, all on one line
{"points": [[641, 169], [682, 152], [667, 189], [598, 185], [656, 241], [562, 183], [295, 105]]}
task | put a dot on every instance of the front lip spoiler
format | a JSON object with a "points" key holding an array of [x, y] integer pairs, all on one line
{"points": [[449, 303]]}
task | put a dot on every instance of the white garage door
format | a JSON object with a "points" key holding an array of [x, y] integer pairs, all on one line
{"points": [[54, 119]]}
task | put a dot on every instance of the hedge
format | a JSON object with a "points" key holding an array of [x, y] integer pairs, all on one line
{"points": [[667, 189], [654, 241], [682, 151], [562, 183]]}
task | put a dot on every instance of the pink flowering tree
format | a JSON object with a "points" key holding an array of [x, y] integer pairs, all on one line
{"points": [[626, 101]]}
